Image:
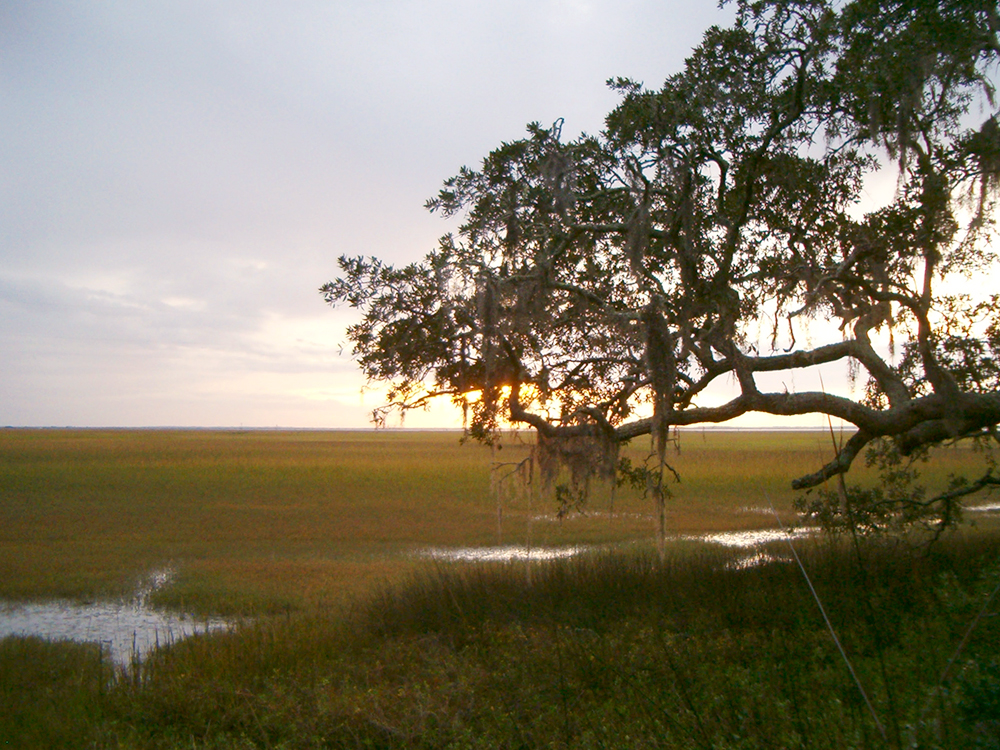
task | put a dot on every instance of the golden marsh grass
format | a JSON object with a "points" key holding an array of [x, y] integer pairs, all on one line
{"points": [[275, 520]]}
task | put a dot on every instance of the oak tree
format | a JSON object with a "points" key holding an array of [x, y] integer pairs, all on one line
{"points": [[720, 229]]}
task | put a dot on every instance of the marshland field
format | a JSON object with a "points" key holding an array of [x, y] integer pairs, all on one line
{"points": [[351, 626]]}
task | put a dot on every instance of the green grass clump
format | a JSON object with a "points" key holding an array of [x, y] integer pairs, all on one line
{"points": [[51, 694]]}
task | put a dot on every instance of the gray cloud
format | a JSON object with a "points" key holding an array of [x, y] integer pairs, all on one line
{"points": [[177, 178]]}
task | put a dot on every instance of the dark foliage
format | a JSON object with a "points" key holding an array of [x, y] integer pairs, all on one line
{"points": [[717, 230]]}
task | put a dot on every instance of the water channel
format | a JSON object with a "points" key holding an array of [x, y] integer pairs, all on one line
{"points": [[126, 630]]}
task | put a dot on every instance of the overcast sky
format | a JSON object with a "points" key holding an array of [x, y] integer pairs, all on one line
{"points": [[178, 178]]}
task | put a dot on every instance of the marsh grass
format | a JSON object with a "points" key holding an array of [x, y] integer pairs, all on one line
{"points": [[238, 515], [52, 694], [348, 640], [603, 651], [265, 521]]}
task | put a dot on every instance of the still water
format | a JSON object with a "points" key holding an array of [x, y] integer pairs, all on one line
{"points": [[504, 553], [507, 553], [126, 630]]}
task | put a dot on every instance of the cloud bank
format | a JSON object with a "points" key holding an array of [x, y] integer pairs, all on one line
{"points": [[178, 178]]}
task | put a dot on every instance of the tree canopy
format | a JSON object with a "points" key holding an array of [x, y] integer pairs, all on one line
{"points": [[598, 286]]}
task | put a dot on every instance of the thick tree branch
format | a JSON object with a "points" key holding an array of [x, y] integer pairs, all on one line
{"points": [[839, 465]]}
